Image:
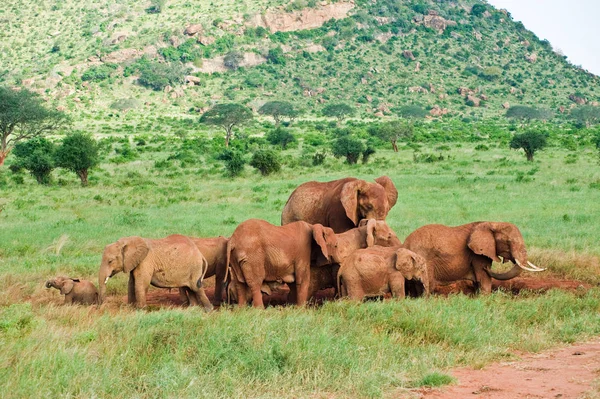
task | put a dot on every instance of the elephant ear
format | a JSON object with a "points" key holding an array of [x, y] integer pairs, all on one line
{"points": [[482, 241], [390, 190], [67, 287], [319, 237], [134, 250], [371, 223], [349, 200], [405, 262]]}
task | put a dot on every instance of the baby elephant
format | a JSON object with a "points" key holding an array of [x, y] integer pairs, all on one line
{"points": [[376, 271], [75, 291]]}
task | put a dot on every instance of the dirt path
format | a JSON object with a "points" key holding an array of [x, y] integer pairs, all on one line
{"points": [[564, 373]]}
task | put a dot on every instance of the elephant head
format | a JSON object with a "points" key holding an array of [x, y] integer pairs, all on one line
{"points": [[501, 242], [379, 233], [413, 267], [122, 256], [364, 200], [64, 284], [325, 247]]}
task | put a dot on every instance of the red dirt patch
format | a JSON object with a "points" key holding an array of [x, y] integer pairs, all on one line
{"points": [[563, 373]]}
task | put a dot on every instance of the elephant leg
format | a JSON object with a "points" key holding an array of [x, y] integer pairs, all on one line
{"points": [[293, 294], [142, 283], [131, 289], [397, 287], [68, 299], [482, 279], [183, 295], [203, 299], [257, 300], [302, 293], [219, 277], [242, 293]]}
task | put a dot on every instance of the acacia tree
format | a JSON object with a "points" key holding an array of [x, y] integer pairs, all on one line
{"points": [[393, 131], [227, 116], [339, 111], [525, 113], [530, 142], [23, 117], [587, 115], [278, 109], [78, 153]]}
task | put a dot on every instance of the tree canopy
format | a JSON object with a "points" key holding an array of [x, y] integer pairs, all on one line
{"points": [[278, 109], [393, 131], [78, 153], [37, 157], [526, 113], [227, 116], [23, 116], [340, 111], [587, 115], [530, 142]]}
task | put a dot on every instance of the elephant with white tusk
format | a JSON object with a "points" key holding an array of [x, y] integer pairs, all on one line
{"points": [[466, 252], [171, 262]]}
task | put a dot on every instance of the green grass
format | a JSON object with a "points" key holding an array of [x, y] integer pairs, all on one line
{"points": [[341, 349]]}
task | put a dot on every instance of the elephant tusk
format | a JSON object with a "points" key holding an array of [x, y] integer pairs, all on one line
{"points": [[106, 280], [501, 258], [535, 267], [525, 268]]}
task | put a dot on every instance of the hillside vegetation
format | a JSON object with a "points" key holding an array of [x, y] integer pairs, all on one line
{"points": [[450, 58]]}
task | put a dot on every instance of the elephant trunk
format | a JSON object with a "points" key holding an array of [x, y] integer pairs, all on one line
{"points": [[49, 284], [512, 273], [103, 277]]}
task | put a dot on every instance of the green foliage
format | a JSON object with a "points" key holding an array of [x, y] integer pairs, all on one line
{"points": [[491, 73], [276, 56], [420, 8], [530, 142], [340, 111], [478, 10], [78, 153], [156, 6], [349, 147], [278, 109], [280, 136], [125, 104], [266, 161], [526, 113], [412, 111], [24, 116], [227, 116], [435, 379], [98, 73], [156, 75], [234, 162], [393, 131], [586, 115], [37, 157], [233, 59]]}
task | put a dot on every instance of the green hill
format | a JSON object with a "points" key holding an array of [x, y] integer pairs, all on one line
{"points": [[450, 58]]}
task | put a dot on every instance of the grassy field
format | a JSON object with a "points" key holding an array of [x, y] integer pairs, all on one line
{"points": [[337, 350]]}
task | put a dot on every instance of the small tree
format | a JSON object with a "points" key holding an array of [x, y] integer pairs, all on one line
{"points": [[530, 142], [280, 136], [278, 109], [23, 117], [349, 147], [234, 162], [156, 6], [276, 56], [525, 113], [233, 59], [78, 153], [587, 115], [227, 116], [266, 161], [36, 156], [339, 111], [392, 132], [478, 10], [412, 111]]}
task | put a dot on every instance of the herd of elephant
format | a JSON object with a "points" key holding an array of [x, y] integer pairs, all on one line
{"points": [[332, 234]]}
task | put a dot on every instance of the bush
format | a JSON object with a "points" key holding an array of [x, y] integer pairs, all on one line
{"points": [[157, 76], [37, 157], [266, 161], [125, 104], [275, 56], [156, 6], [98, 73], [412, 111], [78, 153], [318, 158], [280, 136], [234, 162], [349, 147], [478, 10], [233, 59]]}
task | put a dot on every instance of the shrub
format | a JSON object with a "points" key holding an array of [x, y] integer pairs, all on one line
{"points": [[412, 111], [491, 73], [366, 154], [78, 153], [478, 10], [37, 157], [125, 104], [157, 76], [530, 142], [318, 158], [481, 147], [234, 162], [280, 136], [156, 6], [98, 73], [233, 59], [523, 112], [339, 111], [276, 56], [349, 147], [266, 161]]}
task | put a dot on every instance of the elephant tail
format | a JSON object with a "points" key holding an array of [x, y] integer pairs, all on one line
{"points": [[204, 269], [340, 285]]}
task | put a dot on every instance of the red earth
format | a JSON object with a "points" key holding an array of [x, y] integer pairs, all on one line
{"points": [[560, 373]]}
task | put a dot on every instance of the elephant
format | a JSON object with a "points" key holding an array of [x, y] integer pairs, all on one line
{"points": [[340, 204], [376, 271], [215, 252], [260, 252], [75, 290], [466, 252], [171, 262], [368, 233]]}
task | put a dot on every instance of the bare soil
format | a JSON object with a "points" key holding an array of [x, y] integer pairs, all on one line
{"points": [[561, 373], [158, 298]]}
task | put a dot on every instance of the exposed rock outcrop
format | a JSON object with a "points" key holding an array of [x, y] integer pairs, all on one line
{"points": [[408, 55], [192, 29], [206, 40], [434, 21], [438, 111], [531, 57], [577, 99]]}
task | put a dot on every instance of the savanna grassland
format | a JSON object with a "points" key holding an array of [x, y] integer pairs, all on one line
{"points": [[154, 185]]}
